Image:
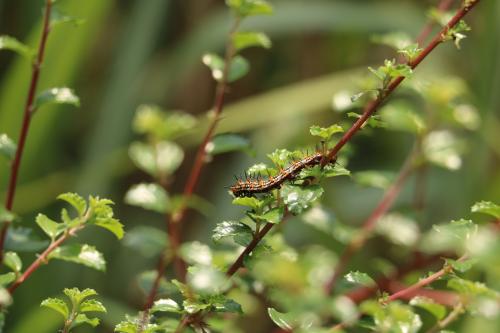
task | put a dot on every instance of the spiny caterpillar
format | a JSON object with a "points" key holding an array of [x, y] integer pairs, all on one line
{"points": [[250, 186]]}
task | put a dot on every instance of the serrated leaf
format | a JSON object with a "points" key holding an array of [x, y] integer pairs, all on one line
{"points": [[280, 157], [282, 320], [274, 215], [360, 278], [12, 260], [50, 227], [250, 7], [487, 207], [12, 44], [146, 240], [7, 278], [76, 201], [126, 327], [473, 288], [461, 266], [57, 305], [241, 233], [83, 319], [77, 296], [149, 196], [92, 305], [243, 40], [81, 254], [166, 305], [57, 96], [7, 147], [110, 224], [251, 202], [325, 132], [300, 198], [224, 143], [436, 309]]}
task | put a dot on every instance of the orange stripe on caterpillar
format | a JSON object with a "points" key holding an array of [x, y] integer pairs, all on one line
{"points": [[249, 187]]}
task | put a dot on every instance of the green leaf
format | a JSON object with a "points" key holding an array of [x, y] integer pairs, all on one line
{"points": [[240, 232], [486, 207], [149, 196], [92, 305], [57, 17], [396, 317], [239, 67], [160, 159], [83, 319], [110, 224], [166, 305], [396, 40], [76, 201], [162, 125], [374, 121], [7, 147], [436, 309], [300, 198], [7, 278], [443, 149], [261, 169], [5, 215], [325, 133], [460, 229], [50, 227], [148, 241], [77, 296], [280, 157], [12, 260], [12, 44], [147, 279], [274, 215], [207, 280], [399, 229], [196, 253], [251, 202], [81, 254], [378, 179], [243, 40], [360, 278], [228, 305], [410, 51], [282, 320], [126, 327], [250, 7], [224, 143], [461, 266], [472, 288], [57, 305], [400, 116], [57, 96], [144, 157]]}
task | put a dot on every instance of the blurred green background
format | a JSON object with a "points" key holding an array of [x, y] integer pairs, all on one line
{"points": [[130, 52]]}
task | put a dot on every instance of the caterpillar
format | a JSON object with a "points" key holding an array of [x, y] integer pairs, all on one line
{"points": [[251, 186]]}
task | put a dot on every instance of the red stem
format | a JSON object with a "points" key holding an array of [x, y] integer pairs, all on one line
{"points": [[28, 112], [443, 6], [39, 261]]}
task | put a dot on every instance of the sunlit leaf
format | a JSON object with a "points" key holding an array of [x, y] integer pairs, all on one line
{"points": [[196, 253], [81, 254], [374, 178], [240, 232], [7, 147], [57, 96], [165, 305], [300, 198], [250, 7], [12, 44], [360, 278], [487, 207], [7, 278], [76, 201], [207, 280], [282, 320], [399, 229], [436, 309], [443, 149], [148, 196], [57, 305], [243, 40], [83, 319], [274, 215], [12, 260], [325, 133], [92, 305], [50, 227]]}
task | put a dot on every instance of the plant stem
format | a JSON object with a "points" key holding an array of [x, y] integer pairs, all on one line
{"points": [[443, 6], [384, 205], [451, 317], [28, 112], [40, 260]]}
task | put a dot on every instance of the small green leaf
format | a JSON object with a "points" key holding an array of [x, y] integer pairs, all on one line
{"points": [[228, 305], [360, 278], [149, 196], [240, 232], [251, 202], [110, 224], [243, 40], [7, 147], [239, 67], [325, 133], [5, 215], [57, 96], [57, 305], [250, 7], [77, 296], [92, 305], [196, 253], [159, 159], [83, 319], [487, 207], [126, 327], [300, 198], [436, 309], [399, 229], [207, 280], [461, 266], [162, 125], [144, 157], [12, 260], [76, 201], [280, 157], [282, 320], [374, 178], [50, 227], [146, 240], [373, 122], [274, 215], [261, 169], [399, 116], [7, 278], [224, 143], [472, 288], [396, 40], [442, 148], [81, 254], [12, 44], [166, 305]]}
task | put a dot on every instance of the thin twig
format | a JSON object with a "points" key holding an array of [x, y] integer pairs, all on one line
{"points": [[451, 317], [28, 112]]}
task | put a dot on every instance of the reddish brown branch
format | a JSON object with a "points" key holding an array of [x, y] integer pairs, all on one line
{"points": [[443, 6], [28, 112]]}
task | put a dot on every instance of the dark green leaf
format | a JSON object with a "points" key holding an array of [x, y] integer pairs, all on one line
{"points": [[12, 44], [57, 96], [487, 207], [81, 254], [243, 40], [300, 198], [146, 240], [7, 147], [241, 233], [239, 68], [360, 278], [57, 305], [149, 196], [224, 143], [274, 215], [228, 305]]}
